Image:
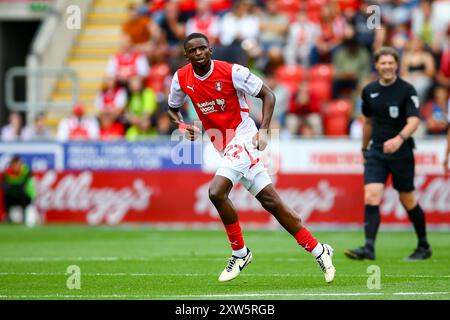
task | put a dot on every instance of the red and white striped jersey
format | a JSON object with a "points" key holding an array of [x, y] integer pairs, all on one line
{"points": [[126, 65], [218, 98], [111, 99], [73, 128], [208, 24]]}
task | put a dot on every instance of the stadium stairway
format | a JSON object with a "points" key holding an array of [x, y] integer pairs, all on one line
{"points": [[97, 41]]}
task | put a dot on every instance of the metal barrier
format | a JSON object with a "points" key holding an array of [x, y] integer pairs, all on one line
{"points": [[34, 101], [45, 63]]}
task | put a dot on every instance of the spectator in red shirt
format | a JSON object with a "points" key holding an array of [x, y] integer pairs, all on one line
{"points": [[204, 21], [304, 113], [111, 98], [332, 26], [78, 126], [127, 63], [109, 128], [443, 76]]}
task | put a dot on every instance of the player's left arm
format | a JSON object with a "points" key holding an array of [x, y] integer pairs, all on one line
{"points": [[412, 123], [268, 104], [245, 81]]}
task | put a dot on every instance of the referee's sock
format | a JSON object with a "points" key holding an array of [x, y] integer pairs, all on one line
{"points": [[417, 218], [371, 224]]}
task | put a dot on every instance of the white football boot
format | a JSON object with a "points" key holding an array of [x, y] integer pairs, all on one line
{"points": [[235, 266], [326, 263]]}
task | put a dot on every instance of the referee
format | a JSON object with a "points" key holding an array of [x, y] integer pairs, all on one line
{"points": [[391, 115]]}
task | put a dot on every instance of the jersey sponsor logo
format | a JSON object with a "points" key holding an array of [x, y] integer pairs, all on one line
{"points": [[415, 100], [219, 86], [374, 95], [210, 106], [393, 111], [192, 88], [206, 110]]}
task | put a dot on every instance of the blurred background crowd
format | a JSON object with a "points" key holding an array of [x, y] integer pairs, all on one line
{"points": [[316, 55]]}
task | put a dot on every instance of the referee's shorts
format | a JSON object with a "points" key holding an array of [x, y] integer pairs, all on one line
{"points": [[378, 167]]}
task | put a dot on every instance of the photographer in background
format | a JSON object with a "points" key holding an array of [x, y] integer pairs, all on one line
{"points": [[19, 190]]}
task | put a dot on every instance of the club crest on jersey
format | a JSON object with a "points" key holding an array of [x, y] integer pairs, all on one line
{"points": [[219, 86], [393, 111]]}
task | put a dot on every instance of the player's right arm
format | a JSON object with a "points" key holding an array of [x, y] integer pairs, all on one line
{"points": [[367, 124], [176, 101], [367, 133]]}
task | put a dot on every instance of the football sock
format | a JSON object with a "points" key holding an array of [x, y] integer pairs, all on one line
{"points": [[318, 250], [240, 253], [417, 217], [308, 242], [236, 240], [371, 224]]}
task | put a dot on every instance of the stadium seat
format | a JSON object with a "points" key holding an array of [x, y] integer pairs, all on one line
{"points": [[290, 75], [336, 118], [321, 89], [323, 72], [157, 76]]}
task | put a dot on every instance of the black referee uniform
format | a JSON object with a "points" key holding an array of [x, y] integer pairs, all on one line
{"points": [[388, 108]]}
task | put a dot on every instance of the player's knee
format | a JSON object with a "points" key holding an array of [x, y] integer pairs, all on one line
{"points": [[271, 204], [372, 198], [216, 196]]}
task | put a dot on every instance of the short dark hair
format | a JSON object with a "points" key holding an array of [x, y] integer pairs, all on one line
{"points": [[386, 51], [194, 35], [15, 158]]}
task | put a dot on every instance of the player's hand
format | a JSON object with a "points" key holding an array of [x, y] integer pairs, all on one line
{"points": [[392, 145], [191, 132], [260, 139], [364, 152]]}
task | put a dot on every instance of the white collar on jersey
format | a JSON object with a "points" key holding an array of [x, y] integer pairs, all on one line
{"points": [[207, 74]]}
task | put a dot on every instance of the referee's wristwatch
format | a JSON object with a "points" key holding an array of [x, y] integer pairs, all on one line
{"points": [[402, 136]]}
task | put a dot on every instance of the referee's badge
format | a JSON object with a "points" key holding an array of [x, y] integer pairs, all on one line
{"points": [[415, 100], [393, 111]]}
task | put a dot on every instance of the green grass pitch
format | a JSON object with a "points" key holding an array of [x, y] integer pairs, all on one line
{"points": [[145, 263]]}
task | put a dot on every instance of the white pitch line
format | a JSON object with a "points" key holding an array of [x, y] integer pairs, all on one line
{"points": [[307, 294], [241, 295], [155, 274], [50, 259]]}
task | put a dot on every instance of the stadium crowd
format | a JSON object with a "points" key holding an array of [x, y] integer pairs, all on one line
{"points": [[315, 54]]}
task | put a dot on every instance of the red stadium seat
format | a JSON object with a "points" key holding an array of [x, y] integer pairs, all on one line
{"points": [[157, 76], [323, 72], [336, 118], [290, 75], [321, 89]]}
